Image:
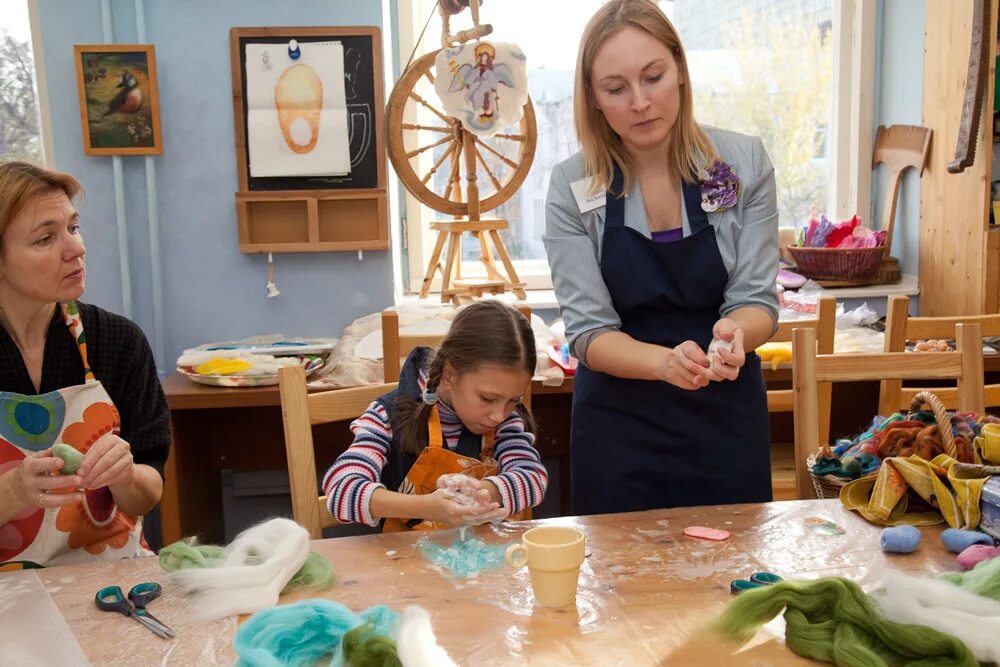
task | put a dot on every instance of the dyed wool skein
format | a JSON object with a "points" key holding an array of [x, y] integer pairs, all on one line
{"points": [[257, 566], [832, 620], [972, 618]]}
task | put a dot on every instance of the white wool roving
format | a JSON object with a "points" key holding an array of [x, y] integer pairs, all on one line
{"points": [[259, 563], [416, 645], [943, 606]]}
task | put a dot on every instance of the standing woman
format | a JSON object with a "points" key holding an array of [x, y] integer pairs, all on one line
{"points": [[662, 236], [74, 374]]}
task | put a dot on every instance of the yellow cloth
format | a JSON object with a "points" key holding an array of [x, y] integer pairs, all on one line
{"points": [[987, 444], [882, 498], [222, 366], [776, 353]]}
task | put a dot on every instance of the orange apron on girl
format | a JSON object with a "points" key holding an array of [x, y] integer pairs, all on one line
{"points": [[435, 461], [80, 532]]}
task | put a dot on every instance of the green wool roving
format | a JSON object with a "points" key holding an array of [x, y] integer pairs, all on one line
{"points": [[70, 456], [315, 574], [362, 647], [983, 579], [833, 620]]}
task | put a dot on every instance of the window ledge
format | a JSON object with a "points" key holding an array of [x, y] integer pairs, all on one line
{"points": [[538, 299], [907, 286]]}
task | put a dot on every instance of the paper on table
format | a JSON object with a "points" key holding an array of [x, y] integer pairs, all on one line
{"points": [[27, 610], [306, 110]]}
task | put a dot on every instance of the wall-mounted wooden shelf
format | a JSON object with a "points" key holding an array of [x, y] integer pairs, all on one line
{"points": [[312, 220], [317, 214]]}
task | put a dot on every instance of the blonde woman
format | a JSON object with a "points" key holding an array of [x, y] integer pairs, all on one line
{"points": [[70, 374], [662, 238]]}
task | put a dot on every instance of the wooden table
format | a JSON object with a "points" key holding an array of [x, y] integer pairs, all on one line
{"points": [[646, 591]]}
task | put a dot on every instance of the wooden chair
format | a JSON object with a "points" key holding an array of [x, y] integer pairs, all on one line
{"points": [[396, 346], [300, 411], [782, 400], [810, 369], [900, 327]]}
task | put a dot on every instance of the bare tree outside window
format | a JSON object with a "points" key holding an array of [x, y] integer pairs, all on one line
{"points": [[20, 137], [768, 71]]}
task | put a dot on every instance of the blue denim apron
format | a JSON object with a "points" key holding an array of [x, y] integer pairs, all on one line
{"points": [[639, 444]]}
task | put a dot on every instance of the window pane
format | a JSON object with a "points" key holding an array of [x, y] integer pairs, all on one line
{"points": [[764, 67], [20, 137]]}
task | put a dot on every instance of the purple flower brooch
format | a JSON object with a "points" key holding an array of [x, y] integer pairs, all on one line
{"points": [[720, 187]]}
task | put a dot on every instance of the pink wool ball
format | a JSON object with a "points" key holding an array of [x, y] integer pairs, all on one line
{"points": [[976, 554]]}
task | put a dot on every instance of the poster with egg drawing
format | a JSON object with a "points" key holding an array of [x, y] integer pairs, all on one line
{"points": [[297, 122]]}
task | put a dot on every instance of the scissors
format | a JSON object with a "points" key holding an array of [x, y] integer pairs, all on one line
{"points": [[111, 598]]}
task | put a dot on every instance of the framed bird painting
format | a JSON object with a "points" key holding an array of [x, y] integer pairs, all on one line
{"points": [[119, 102]]}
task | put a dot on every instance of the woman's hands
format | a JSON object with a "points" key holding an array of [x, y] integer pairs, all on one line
{"points": [[687, 366], [728, 362], [38, 475], [108, 462]]}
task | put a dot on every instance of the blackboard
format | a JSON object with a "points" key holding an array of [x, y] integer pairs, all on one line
{"points": [[362, 86]]}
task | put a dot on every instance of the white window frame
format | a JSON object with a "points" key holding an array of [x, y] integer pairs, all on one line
{"points": [[851, 133]]}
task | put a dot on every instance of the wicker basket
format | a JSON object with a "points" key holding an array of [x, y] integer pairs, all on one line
{"points": [[829, 486], [838, 263]]}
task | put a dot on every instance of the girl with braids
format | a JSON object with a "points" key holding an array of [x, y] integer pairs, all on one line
{"points": [[452, 444]]}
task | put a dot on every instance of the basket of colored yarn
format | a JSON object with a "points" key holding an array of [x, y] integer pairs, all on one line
{"points": [[838, 263], [827, 484]]}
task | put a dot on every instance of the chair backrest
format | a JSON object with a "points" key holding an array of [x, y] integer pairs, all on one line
{"points": [[397, 345], [809, 369], [825, 324], [900, 327], [300, 411]]}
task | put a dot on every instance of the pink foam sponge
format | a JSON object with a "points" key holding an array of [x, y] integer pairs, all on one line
{"points": [[706, 533], [976, 554]]}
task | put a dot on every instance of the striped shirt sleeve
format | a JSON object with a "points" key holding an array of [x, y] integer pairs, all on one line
{"points": [[522, 479], [353, 477]]}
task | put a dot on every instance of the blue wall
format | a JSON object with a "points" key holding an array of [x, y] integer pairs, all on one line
{"points": [[210, 290], [899, 101]]}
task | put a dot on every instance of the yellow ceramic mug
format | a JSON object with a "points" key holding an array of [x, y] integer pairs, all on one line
{"points": [[990, 443], [553, 555]]}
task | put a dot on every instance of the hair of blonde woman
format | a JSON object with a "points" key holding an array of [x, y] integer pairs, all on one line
{"points": [[688, 149], [20, 182]]}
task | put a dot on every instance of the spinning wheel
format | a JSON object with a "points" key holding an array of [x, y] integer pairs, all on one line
{"points": [[454, 171]]}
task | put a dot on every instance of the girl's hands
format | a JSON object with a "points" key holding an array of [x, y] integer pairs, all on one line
{"points": [[686, 366], [38, 476], [727, 363], [453, 509]]}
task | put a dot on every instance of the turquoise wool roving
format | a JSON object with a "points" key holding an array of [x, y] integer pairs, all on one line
{"points": [[303, 633], [900, 539], [831, 619]]}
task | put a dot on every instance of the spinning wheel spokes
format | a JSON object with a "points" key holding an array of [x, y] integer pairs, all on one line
{"points": [[419, 152]]}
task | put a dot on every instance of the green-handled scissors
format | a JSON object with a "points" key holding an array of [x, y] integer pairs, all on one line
{"points": [[111, 598]]}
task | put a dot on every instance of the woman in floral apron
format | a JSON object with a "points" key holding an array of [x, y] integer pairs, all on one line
{"points": [[69, 373]]}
